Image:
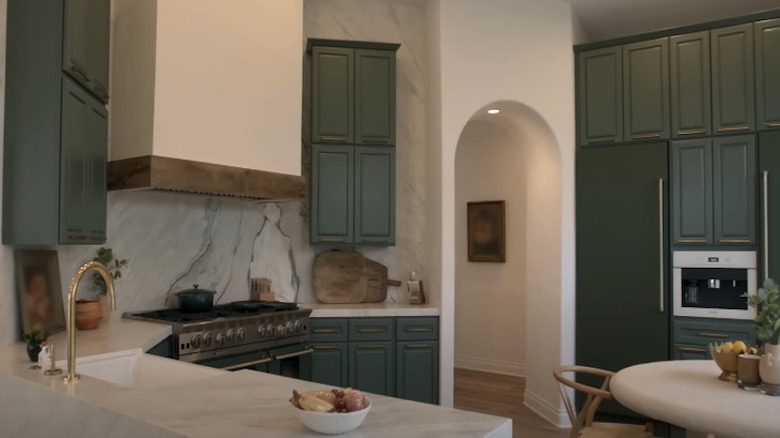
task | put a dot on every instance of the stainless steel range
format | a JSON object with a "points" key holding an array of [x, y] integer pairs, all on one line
{"points": [[265, 336]]}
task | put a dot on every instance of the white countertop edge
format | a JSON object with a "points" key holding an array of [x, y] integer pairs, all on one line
{"points": [[320, 310]]}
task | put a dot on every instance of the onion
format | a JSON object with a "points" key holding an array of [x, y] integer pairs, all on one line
{"points": [[354, 400]]}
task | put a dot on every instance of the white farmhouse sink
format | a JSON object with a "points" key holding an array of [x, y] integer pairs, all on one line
{"points": [[135, 369]]}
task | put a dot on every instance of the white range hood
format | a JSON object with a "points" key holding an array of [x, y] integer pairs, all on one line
{"points": [[206, 97]]}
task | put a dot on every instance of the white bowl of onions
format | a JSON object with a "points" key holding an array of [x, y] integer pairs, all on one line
{"points": [[331, 412]]}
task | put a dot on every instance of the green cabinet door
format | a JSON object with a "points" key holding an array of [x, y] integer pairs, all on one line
{"points": [[691, 185], [600, 96], [86, 43], [332, 101], [417, 370], [734, 190], [621, 266], [767, 64], [372, 367], [375, 195], [329, 364], [332, 194], [769, 212], [733, 92], [82, 166], [646, 90], [690, 84], [375, 97]]}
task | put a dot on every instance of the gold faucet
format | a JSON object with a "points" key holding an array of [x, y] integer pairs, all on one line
{"points": [[70, 317]]}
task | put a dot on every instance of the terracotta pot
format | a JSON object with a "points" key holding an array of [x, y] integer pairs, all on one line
{"points": [[769, 366], [88, 314]]}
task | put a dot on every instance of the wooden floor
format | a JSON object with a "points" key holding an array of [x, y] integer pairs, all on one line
{"points": [[501, 395]]}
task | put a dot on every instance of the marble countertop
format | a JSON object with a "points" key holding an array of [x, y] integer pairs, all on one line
{"points": [[320, 310], [241, 404]]}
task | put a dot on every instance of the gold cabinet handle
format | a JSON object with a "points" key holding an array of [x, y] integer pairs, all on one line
{"points": [[643, 136], [373, 240], [333, 138], [325, 347], [712, 335], [419, 330], [412, 346], [375, 140], [370, 330], [370, 347], [332, 239], [773, 125], [696, 132], [601, 140], [734, 241], [691, 241], [733, 128], [324, 331], [693, 349]]}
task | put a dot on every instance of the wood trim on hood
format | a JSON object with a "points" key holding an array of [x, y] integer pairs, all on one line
{"points": [[153, 172]]}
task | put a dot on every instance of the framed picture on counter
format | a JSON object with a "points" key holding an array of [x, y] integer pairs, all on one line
{"points": [[39, 290], [486, 238]]}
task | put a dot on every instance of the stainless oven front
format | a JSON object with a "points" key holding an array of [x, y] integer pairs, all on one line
{"points": [[712, 284], [289, 360]]}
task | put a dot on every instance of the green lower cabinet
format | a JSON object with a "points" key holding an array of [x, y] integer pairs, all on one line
{"points": [[371, 367], [417, 371], [691, 336], [329, 364]]}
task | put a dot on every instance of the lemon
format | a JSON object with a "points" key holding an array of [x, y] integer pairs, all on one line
{"points": [[752, 350], [727, 346], [740, 347]]}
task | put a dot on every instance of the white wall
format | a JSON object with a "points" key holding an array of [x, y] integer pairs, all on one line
{"points": [[227, 82], [517, 50], [490, 329]]}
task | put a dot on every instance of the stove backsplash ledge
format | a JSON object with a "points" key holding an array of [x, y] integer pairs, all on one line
{"points": [[174, 241]]}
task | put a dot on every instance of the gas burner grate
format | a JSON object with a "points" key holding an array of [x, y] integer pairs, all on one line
{"points": [[219, 311]]}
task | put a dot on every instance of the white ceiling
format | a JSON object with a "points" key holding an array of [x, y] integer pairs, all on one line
{"points": [[606, 19]]}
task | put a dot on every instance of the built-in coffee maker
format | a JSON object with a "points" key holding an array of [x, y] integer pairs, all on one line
{"points": [[711, 284]]}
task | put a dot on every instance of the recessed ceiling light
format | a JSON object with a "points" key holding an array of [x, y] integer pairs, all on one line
{"points": [[493, 111]]}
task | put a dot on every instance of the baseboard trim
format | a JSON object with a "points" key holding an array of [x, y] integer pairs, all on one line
{"points": [[490, 366], [554, 414]]}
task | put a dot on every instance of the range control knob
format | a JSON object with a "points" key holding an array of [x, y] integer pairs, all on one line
{"points": [[290, 327], [208, 339], [262, 332], [298, 327], [241, 335], [271, 331], [220, 340], [281, 329], [231, 336], [196, 341]]}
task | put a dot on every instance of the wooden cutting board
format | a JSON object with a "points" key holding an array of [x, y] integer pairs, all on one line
{"points": [[376, 279], [340, 277]]}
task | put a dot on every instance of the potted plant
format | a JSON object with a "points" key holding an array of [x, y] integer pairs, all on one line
{"points": [[766, 301], [35, 338], [89, 312]]}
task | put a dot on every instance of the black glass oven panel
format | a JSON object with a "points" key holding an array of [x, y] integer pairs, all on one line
{"points": [[699, 289]]}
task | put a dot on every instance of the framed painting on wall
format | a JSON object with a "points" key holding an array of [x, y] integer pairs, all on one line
{"points": [[486, 238], [39, 290]]}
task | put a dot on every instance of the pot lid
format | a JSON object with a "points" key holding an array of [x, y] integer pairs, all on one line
{"points": [[195, 290]]}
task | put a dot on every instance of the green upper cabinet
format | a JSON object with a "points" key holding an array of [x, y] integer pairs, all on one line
{"points": [[690, 84], [374, 195], [375, 97], [86, 44], [353, 92], [714, 191], [767, 63], [332, 194], [733, 91], [734, 180], [646, 90], [691, 187], [333, 108], [600, 96], [55, 140]]}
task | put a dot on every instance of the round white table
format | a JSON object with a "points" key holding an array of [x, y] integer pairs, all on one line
{"points": [[688, 393]]}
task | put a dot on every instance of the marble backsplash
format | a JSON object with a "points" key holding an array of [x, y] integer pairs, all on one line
{"points": [[174, 241]]}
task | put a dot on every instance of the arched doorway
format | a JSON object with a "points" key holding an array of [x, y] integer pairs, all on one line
{"points": [[508, 315]]}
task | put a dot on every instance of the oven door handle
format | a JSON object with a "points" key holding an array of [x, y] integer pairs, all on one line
{"points": [[247, 364], [296, 354]]}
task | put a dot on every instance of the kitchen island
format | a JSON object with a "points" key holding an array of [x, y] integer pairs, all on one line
{"points": [[193, 401]]}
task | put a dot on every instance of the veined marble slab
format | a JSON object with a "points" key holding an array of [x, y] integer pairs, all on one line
{"points": [[369, 310]]}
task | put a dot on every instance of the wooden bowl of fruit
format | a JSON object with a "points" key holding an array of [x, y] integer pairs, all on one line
{"points": [[331, 412], [725, 355]]}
